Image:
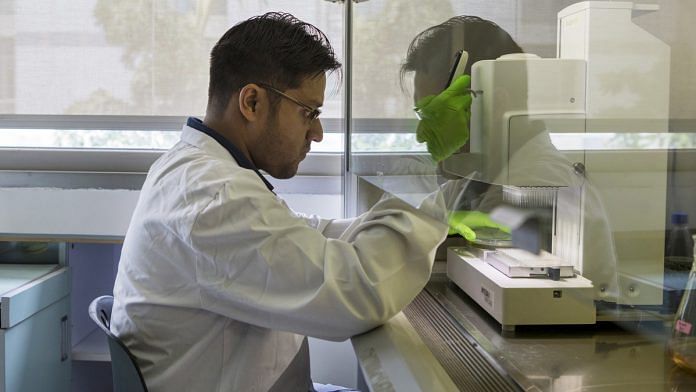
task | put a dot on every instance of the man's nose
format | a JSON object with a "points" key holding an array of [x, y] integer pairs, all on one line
{"points": [[316, 131]]}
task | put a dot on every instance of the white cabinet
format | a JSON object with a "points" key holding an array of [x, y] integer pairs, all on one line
{"points": [[63, 218], [34, 328]]}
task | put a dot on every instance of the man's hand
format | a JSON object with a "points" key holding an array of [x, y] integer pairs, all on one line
{"points": [[444, 119], [465, 223]]}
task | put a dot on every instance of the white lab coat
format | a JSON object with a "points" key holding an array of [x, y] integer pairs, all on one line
{"points": [[219, 280]]}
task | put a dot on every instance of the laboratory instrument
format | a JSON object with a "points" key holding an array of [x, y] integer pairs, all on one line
{"points": [[610, 77]]}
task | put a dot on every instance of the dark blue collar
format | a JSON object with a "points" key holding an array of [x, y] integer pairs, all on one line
{"points": [[231, 148]]}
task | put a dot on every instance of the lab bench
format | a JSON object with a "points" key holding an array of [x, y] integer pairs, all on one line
{"points": [[445, 341]]}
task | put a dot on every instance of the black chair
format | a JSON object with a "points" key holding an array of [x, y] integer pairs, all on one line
{"points": [[125, 371]]}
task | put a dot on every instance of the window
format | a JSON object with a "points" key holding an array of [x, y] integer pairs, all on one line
{"points": [[72, 71]]}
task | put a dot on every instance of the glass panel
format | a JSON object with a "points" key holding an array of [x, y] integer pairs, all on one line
{"points": [[107, 139], [581, 142], [127, 139], [71, 71], [129, 58], [126, 57]]}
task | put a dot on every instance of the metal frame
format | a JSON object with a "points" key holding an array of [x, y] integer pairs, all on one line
{"points": [[175, 123], [348, 184]]}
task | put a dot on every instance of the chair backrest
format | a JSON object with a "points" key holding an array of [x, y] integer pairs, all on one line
{"points": [[125, 371]]}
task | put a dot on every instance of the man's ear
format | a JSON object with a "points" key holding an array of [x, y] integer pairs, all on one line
{"points": [[251, 99]]}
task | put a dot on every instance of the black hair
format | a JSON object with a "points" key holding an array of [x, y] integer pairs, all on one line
{"points": [[432, 50], [274, 48]]}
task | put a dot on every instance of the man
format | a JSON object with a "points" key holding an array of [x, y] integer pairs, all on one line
{"points": [[219, 281]]}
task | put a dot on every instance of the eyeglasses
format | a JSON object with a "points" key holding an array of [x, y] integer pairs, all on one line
{"points": [[310, 113]]}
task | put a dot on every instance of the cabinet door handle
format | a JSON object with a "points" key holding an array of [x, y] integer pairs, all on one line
{"points": [[64, 339]]}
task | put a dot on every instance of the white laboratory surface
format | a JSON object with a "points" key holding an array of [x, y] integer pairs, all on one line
{"points": [[393, 358], [66, 214]]}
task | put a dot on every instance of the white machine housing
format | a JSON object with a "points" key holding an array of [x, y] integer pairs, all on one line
{"points": [[611, 76], [521, 301]]}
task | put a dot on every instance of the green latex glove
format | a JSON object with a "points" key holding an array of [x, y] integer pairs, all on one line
{"points": [[465, 222], [444, 119]]}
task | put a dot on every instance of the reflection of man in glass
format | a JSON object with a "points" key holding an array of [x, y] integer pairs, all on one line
{"points": [[445, 114], [537, 161], [430, 58], [431, 52]]}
